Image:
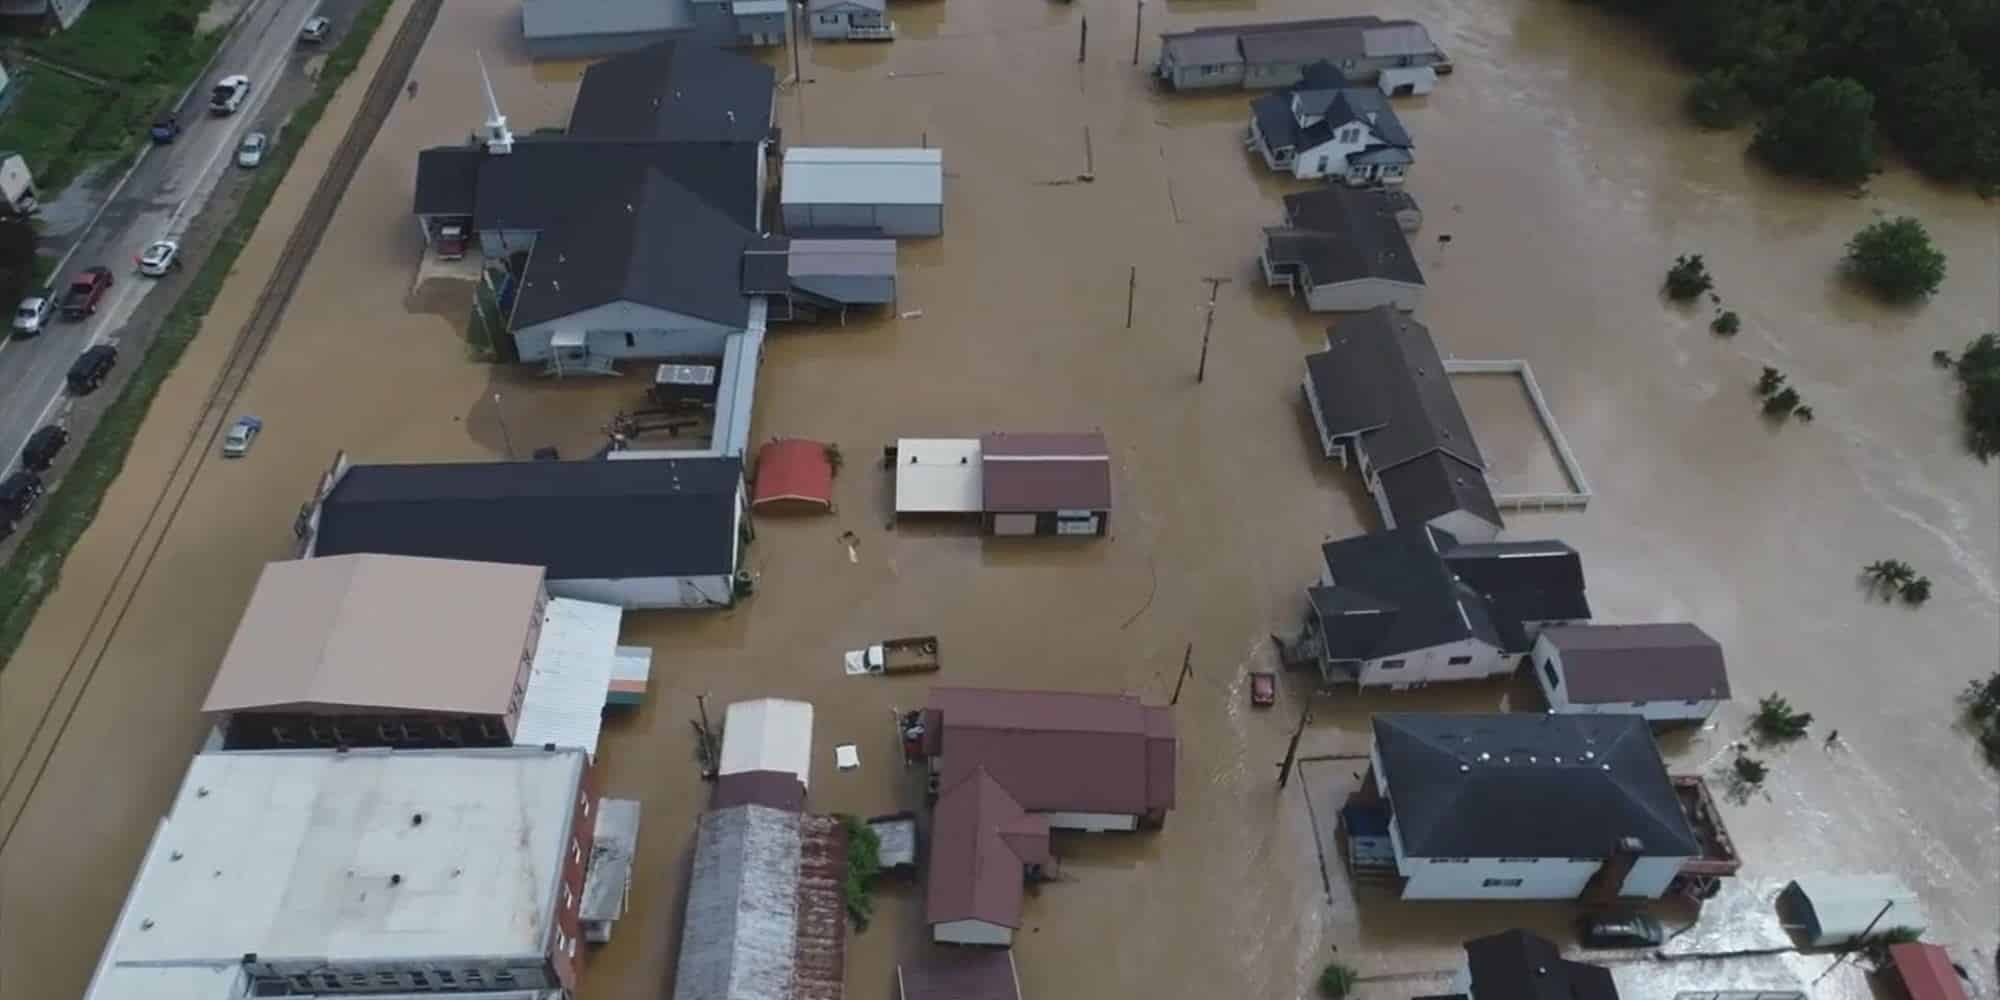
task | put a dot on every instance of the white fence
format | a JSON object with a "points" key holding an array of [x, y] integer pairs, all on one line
{"points": [[1579, 495]]}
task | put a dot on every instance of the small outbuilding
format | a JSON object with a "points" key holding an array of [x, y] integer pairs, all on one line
{"points": [[938, 476], [894, 192], [959, 974], [768, 734], [1045, 484], [850, 20], [1667, 672], [1827, 910], [794, 474]]}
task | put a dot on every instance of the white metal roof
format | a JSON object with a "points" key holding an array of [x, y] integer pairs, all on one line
{"points": [[939, 476], [615, 839], [768, 734], [1845, 905], [291, 853], [847, 175], [571, 675]]}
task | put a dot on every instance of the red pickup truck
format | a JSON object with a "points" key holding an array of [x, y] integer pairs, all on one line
{"points": [[85, 291]]}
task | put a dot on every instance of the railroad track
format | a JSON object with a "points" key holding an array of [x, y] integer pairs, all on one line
{"points": [[245, 351]]}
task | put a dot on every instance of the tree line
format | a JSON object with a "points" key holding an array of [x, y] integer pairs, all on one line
{"points": [[1828, 75]]}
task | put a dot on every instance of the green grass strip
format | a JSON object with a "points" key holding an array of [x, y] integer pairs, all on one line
{"points": [[31, 574]]}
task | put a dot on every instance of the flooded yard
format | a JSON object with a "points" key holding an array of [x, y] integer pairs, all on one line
{"points": [[1555, 158]]}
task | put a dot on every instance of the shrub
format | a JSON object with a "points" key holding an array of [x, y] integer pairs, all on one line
{"points": [[1776, 719], [864, 859], [1825, 130], [1896, 260], [1770, 381], [1749, 770], [1337, 981], [1717, 100], [1688, 278], [1782, 402], [1978, 371], [1804, 413], [1726, 324], [1916, 592]]}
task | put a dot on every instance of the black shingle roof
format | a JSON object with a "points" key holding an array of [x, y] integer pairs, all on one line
{"points": [[1540, 581], [448, 180], [678, 90], [1517, 965], [1429, 595], [1437, 484], [1529, 786], [1341, 234], [580, 520], [549, 178]]}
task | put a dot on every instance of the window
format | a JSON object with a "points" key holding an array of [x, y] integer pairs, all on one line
{"points": [[387, 978], [565, 895], [1451, 861], [1549, 671], [1639, 704], [503, 977], [329, 981], [1392, 664], [1692, 702], [1500, 883], [576, 850], [445, 977], [1350, 134], [562, 941], [1459, 661], [1519, 861], [630, 340], [303, 984], [420, 981]]}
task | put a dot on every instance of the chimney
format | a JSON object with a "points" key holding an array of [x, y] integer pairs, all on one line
{"points": [[1605, 885]]}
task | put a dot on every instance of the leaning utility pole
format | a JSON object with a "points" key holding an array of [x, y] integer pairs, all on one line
{"points": [[1138, 32], [1292, 749], [1208, 325], [1082, 37], [1187, 668]]}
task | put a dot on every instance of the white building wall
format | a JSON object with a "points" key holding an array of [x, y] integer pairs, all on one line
{"points": [[1399, 81], [1493, 878], [1650, 877], [971, 932], [628, 330], [1326, 442], [1329, 159], [640, 593], [1362, 295], [1090, 822], [1429, 666]]}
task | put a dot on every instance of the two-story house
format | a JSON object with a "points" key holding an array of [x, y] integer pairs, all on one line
{"points": [[1321, 127]]}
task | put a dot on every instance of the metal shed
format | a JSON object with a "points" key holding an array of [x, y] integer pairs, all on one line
{"points": [[768, 734], [897, 192], [1840, 909], [938, 476]]}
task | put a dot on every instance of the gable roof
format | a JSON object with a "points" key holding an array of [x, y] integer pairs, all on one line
{"points": [[1408, 588], [581, 520], [1529, 786], [1041, 472], [678, 90], [548, 179], [1533, 581], [942, 972], [1517, 965], [739, 935], [1296, 41], [448, 180], [380, 631], [1402, 403], [1341, 234], [1673, 661], [1365, 105], [1435, 485], [980, 842], [1057, 751], [566, 19]]}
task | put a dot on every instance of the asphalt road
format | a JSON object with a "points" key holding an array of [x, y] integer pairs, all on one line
{"points": [[167, 187]]}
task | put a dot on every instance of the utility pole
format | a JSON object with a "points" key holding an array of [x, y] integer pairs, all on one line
{"points": [[1187, 669], [1082, 37], [1131, 289], [708, 759], [1292, 749], [1138, 20], [1208, 326], [506, 439], [798, 75]]}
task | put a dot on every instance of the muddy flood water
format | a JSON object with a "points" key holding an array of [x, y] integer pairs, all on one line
{"points": [[1557, 162]]}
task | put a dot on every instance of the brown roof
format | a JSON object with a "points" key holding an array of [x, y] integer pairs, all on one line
{"points": [[946, 973], [1042, 472], [380, 632], [1057, 751], [1664, 662], [777, 789], [980, 840]]}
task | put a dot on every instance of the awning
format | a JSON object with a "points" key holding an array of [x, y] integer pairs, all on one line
{"points": [[794, 472], [1926, 971]]}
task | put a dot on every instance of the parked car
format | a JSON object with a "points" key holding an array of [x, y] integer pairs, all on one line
{"points": [[251, 152], [85, 291], [228, 95], [159, 257], [242, 434], [91, 367], [18, 494], [166, 129], [315, 30], [33, 314], [1623, 929], [43, 446]]}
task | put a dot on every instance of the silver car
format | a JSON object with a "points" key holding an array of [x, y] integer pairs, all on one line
{"points": [[251, 152], [242, 434], [32, 315]]}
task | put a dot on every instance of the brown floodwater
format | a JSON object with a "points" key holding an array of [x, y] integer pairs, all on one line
{"points": [[1557, 161]]}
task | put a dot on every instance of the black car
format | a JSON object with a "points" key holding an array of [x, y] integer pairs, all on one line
{"points": [[91, 367], [42, 448], [18, 494], [1621, 930]]}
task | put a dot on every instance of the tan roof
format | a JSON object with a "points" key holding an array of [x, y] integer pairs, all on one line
{"points": [[380, 631]]}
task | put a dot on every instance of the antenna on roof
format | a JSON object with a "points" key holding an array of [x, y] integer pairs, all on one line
{"points": [[499, 138]]}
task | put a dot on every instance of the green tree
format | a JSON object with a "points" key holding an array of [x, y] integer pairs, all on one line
{"points": [[1917, 591], [1769, 382], [1895, 258], [1726, 324], [1825, 130], [1776, 720], [1717, 100], [1336, 981], [1688, 278], [1978, 371], [1782, 402], [1749, 770]]}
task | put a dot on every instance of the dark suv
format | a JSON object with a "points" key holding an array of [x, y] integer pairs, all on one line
{"points": [[91, 367], [42, 448], [18, 494]]}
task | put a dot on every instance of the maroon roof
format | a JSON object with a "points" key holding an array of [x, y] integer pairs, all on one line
{"points": [[777, 789], [945, 973], [1057, 751], [1624, 663], [1042, 472], [980, 840], [1926, 971]]}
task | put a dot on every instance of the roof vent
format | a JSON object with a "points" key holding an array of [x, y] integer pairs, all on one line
{"points": [[1541, 970], [732, 116], [1464, 768], [146, 924], [1590, 755], [1532, 759], [176, 856], [1484, 756], [1507, 760], [416, 819], [1604, 767], [201, 793], [1558, 758], [395, 879]]}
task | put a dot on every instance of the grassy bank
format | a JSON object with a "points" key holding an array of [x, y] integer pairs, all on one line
{"points": [[28, 577]]}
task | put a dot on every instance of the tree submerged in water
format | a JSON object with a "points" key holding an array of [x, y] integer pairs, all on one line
{"points": [[1336, 981], [1896, 260], [1982, 710], [1978, 371], [1688, 278], [1726, 324], [1778, 721], [1892, 578]]}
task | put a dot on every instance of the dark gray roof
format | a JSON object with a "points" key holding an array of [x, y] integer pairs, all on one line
{"points": [[1436, 484], [1529, 786], [580, 520], [1182, 45], [1517, 965], [1367, 106], [1275, 121], [549, 178], [1538, 581], [448, 180], [658, 245], [679, 90], [766, 265], [1341, 234], [1409, 588], [1668, 661]]}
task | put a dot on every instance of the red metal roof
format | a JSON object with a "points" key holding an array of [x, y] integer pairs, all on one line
{"points": [[981, 840], [1926, 971], [1042, 472], [947, 973], [793, 469], [1057, 751]]}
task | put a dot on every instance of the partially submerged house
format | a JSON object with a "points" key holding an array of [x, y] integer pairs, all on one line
{"points": [[1397, 56], [962, 974], [1322, 127], [387, 650], [850, 20], [1005, 768], [1018, 483], [845, 191], [1667, 672], [1527, 966], [323, 872], [1345, 250], [1380, 393], [1526, 806], [593, 29], [664, 533], [1413, 606]]}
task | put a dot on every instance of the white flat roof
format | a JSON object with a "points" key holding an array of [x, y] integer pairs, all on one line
{"points": [[571, 675], [768, 734], [847, 175], [290, 854], [939, 476]]}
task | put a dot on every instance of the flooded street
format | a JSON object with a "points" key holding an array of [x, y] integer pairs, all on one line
{"points": [[1556, 159]]}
